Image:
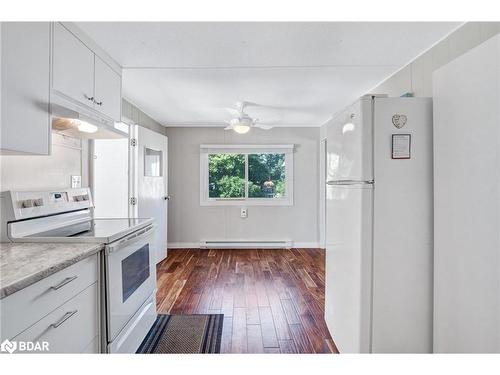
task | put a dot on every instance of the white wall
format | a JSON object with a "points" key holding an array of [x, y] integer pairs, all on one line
{"points": [[130, 113], [416, 77], [189, 222], [466, 203], [38, 172]]}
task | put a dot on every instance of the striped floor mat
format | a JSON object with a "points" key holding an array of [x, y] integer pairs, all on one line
{"points": [[184, 334]]}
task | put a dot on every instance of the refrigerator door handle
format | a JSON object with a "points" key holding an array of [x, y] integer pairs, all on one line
{"points": [[350, 182]]}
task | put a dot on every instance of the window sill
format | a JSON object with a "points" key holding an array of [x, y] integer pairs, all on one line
{"points": [[247, 202]]}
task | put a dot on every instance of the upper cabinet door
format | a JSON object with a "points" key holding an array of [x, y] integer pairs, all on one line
{"points": [[25, 87], [73, 67], [107, 90]]}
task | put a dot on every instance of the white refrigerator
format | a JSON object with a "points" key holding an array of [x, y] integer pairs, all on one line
{"points": [[378, 295]]}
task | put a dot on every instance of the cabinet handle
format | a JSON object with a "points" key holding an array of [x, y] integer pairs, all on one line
{"points": [[91, 98], [98, 103], [63, 283], [66, 316]]}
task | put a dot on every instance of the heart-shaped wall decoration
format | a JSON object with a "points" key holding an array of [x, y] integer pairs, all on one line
{"points": [[399, 121]]}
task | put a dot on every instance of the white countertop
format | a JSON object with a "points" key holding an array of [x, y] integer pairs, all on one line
{"points": [[23, 264]]}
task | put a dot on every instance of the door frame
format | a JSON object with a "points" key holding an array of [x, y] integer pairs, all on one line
{"points": [[133, 160], [322, 191]]}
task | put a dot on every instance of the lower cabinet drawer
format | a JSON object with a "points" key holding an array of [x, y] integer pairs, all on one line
{"points": [[70, 328], [27, 306]]}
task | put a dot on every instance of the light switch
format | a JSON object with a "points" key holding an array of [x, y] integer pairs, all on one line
{"points": [[243, 213], [76, 182]]}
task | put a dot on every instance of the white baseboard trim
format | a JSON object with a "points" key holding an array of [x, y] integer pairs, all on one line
{"points": [[196, 245], [183, 245], [246, 244], [307, 245]]}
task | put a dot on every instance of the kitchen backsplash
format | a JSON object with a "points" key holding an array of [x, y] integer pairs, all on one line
{"points": [[35, 172]]}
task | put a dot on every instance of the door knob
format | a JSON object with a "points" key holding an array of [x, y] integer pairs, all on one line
{"points": [[166, 197]]}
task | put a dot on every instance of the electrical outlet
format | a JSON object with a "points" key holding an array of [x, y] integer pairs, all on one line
{"points": [[76, 182], [243, 213]]}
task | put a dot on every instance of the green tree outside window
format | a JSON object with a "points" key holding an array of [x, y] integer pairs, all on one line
{"points": [[266, 175]]}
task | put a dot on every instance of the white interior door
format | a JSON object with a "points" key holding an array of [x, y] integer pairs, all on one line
{"points": [[110, 178], [152, 184]]}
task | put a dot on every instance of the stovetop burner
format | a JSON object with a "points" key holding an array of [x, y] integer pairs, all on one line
{"points": [[93, 230]]}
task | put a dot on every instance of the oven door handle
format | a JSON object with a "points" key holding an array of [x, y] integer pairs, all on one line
{"points": [[134, 237]]}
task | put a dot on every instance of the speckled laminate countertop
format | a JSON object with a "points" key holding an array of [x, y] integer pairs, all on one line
{"points": [[23, 264]]}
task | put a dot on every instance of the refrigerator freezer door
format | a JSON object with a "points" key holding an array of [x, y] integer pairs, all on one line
{"points": [[349, 143], [348, 266]]}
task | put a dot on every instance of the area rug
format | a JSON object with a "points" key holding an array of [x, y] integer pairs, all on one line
{"points": [[184, 334]]}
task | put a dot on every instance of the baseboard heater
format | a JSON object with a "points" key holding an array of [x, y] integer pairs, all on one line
{"points": [[246, 244]]}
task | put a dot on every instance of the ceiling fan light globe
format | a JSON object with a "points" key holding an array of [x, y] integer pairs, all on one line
{"points": [[241, 128]]}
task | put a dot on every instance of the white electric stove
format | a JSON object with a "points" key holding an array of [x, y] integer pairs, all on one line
{"points": [[128, 264]]}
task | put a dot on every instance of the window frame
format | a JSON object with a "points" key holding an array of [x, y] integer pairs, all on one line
{"points": [[206, 150]]}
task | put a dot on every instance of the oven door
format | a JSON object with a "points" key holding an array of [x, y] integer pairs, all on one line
{"points": [[130, 278]]}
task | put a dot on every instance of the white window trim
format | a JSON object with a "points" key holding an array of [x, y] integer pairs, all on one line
{"points": [[205, 150]]}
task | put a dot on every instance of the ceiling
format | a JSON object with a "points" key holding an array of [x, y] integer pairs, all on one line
{"points": [[184, 74]]}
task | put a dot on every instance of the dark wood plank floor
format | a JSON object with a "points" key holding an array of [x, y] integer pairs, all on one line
{"points": [[272, 300]]}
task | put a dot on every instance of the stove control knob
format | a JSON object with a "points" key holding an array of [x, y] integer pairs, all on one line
{"points": [[38, 202], [27, 203]]}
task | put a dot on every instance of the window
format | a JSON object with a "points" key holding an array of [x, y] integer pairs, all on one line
{"points": [[152, 162], [226, 176], [246, 175], [266, 175]]}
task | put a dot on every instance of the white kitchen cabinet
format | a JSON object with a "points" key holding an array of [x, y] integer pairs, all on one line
{"points": [[23, 308], [72, 67], [25, 87], [61, 309], [83, 77], [107, 90], [71, 328]]}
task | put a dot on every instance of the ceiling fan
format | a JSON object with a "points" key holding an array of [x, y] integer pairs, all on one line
{"points": [[241, 122]]}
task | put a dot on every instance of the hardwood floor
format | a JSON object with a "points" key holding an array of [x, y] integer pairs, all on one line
{"points": [[272, 300]]}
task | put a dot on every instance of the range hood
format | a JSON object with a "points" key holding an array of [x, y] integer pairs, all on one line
{"points": [[85, 126]]}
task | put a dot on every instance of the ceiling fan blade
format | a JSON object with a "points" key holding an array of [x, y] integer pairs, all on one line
{"points": [[229, 127], [287, 107], [263, 126], [244, 104]]}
